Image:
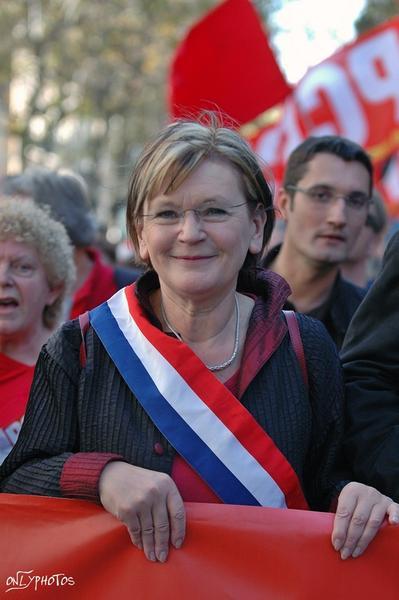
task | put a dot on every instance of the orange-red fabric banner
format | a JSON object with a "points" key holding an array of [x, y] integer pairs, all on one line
{"points": [[59, 548], [354, 93]]}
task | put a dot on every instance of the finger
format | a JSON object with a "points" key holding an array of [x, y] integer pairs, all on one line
{"points": [[147, 534], [372, 525], [134, 529], [345, 508], [177, 518], [393, 513], [161, 530]]}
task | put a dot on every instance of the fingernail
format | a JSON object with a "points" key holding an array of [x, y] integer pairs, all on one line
{"points": [[178, 543], [395, 519], [357, 552], [345, 554], [337, 544], [152, 557], [162, 556]]}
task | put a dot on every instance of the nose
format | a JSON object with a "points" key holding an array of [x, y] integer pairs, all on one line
{"points": [[337, 213], [191, 227], [5, 274]]}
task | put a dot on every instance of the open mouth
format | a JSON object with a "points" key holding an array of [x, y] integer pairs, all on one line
{"points": [[8, 302]]}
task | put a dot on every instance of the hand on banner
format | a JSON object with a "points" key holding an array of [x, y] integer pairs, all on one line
{"points": [[360, 512], [148, 503]]}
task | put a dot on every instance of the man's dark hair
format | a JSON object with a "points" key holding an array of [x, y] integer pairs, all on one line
{"points": [[345, 149]]}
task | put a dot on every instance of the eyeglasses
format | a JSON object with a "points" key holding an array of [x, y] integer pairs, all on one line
{"points": [[211, 213], [323, 196]]}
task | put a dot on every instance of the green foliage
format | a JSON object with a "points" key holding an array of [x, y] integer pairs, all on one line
{"points": [[88, 78], [376, 12]]}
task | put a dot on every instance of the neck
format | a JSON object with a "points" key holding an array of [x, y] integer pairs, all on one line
{"points": [[310, 282], [24, 348], [208, 329]]}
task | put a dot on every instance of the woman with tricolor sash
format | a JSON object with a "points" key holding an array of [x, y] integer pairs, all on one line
{"points": [[192, 384]]}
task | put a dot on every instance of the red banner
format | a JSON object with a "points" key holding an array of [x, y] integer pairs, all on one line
{"points": [[225, 63], [58, 548], [354, 93]]}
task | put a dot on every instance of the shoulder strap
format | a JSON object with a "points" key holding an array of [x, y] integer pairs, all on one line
{"points": [[84, 326], [296, 342]]}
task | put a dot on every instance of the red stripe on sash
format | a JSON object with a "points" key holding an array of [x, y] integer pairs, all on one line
{"points": [[223, 404]]}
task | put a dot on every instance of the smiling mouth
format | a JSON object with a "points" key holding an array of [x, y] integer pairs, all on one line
{"points": [[193, 258]]}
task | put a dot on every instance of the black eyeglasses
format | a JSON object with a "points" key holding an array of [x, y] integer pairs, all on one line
{"points": [[323, 196]]}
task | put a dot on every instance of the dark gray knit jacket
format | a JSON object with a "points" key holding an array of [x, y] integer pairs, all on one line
{"points": [[80, 418]]}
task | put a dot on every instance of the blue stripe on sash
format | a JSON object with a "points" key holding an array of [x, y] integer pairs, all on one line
{"points": [[185, 441]]}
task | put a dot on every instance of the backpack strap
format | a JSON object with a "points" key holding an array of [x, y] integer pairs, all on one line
{"points": [[84, 326], [296, 342]]}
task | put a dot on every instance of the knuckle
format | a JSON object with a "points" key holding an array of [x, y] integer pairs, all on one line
{"points": [[136, 530], [374, 523], [351, 541], [147, 531], [179, 515], [162, 527], [342, 513], [359, 520]]}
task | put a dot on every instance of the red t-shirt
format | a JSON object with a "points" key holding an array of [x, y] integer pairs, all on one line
{"points": [[15, 381]]}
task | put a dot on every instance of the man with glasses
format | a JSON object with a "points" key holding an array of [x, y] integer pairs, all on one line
{"points": [[324, 200]]}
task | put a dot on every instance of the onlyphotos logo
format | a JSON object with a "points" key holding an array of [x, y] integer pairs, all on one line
{"points": [[26, 579]]}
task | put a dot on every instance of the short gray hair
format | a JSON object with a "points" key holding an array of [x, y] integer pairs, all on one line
{"points": [[24, 221], [66, 195]]}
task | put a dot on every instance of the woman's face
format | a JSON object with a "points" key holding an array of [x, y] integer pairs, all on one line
{"points": [[199, 254], [24, 290]]}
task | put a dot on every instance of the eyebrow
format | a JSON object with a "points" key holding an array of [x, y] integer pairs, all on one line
{"points": [[165, 200], [332, 187]]}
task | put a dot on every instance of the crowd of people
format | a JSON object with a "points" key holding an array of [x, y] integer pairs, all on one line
{"points": [[211, 373]]}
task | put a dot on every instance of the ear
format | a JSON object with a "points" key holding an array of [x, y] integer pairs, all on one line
{"points": [[54, 293], [283, 203], [258, 218], [143, 249]]}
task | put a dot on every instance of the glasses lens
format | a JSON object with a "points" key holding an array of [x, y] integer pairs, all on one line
{"points": [[357, 200]]}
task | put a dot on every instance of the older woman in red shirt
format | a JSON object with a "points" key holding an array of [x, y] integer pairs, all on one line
{"points": [[36, 273]]}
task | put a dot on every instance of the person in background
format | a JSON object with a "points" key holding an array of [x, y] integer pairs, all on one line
{"points": [[370, 358], [324, 200], [66, 195], [191, 388], [36, 274], [364, 259]]}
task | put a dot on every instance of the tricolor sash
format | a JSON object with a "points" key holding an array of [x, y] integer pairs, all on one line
{"points": [[202, 420]]}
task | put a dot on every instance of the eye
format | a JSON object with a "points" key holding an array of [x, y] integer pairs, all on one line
{"points": [[357, 199], [321, 195], [214, 211], [24, 269], [166, 215]]}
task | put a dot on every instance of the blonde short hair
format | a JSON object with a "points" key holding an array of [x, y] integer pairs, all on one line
{"points": [[177, 150], [23, 221]]}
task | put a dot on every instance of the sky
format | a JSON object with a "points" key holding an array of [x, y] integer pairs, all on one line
{"points": [[311, 30]]}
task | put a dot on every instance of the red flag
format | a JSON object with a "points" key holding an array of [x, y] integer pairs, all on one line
{"points": [[225, 63]]}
